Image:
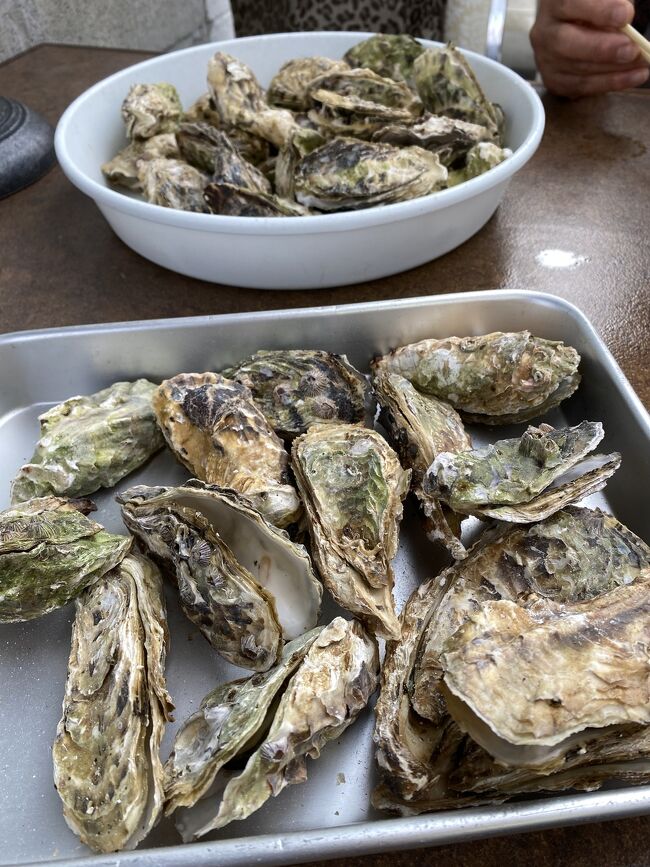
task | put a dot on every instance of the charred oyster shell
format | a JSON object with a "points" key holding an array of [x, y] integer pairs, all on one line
{"points": [[173, 184], [352, 485], [387, 54], [49, 554], [151, 109], [91, 442], [215, 429], [296, 388], [289, 86], [107, 769]]}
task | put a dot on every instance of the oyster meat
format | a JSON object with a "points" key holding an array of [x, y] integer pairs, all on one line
{"points": [[151, 109], [332, 685], [107, 768], [232, 718], [523, 479], [123, 169], [352, 485], [498, 378], [387, 54], [173, 184], [243, 582], [346, 174], [216, 430], [289, 86], [296, 388], [91, 442], [50, 553]]}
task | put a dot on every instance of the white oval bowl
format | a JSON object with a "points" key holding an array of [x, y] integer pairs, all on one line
{"points": [[286, 252]]}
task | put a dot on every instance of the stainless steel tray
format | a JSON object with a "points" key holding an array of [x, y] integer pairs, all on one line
{"points": [[324, 817]]}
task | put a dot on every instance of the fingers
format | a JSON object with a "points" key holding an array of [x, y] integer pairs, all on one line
{"points": [[597, 13], [574, 86], [575, 42]]}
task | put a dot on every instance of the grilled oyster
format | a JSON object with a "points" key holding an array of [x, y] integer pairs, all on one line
{"points": [[387, 54], [91, 442], [452, 140], [363, 92], [289, 86], [498, 378], [234, 201], [447, 85], [296, 388], [107, 770], [215, 429], [419, 428], [224, 553], [231, 719], [173, 184], [323, 698], [352, 485], [523, 479], [151, 109], [49, 553], [349, 174], [483, 156], [239, 101], [123, 168]]}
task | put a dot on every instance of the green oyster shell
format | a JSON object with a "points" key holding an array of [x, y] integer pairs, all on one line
{"points": [[484, 156], [363, 92], [289, 86], [91, 442], [151, 109], [387, 54]]}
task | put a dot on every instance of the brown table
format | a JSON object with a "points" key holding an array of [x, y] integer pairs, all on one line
{"points": [[585, 194]]}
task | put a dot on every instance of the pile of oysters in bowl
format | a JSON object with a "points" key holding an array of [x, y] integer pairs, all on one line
{"points": [[521, 667]]}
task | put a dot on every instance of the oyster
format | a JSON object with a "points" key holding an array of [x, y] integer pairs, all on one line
{"points": [[301, 143], [91, 442], [483, 156], [387, 54], [498, 378], [452, 140], [296, 388], [212, 151], [202, 114], [363, 92], [202, 111], [123, 168], [352, 485], [239, 101], [234, 201], [349, 174], [289, 86], [107, 770], [447, 85], [215, 429], [523, 479], [238, 576], [49, 553], [232, 718], [420, 427], [173, 184], [323, 698], [151, 109]]}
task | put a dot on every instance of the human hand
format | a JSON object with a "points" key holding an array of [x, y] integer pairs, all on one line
{"points": [[578, 50]]}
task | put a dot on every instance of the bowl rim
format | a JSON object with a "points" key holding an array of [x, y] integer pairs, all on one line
{"points": [[341, 221]]}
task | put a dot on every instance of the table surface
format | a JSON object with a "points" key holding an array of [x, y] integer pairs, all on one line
{"points": [[573, 223]]}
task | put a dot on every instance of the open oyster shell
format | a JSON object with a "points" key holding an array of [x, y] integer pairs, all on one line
{"points": [[498, 378], [91, 442], [232, 718], [151, 109], [215, 429], [352, 486], [346, 174], [107, 768], [451, 139], [420, 427], [323, 698], [123, 168], [173, 184], [526, 478], [289, 86], [49, 554], [296, 388], [387, 54]]}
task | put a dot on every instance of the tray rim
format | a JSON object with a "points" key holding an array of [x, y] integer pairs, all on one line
{"points": [[394, 833]]}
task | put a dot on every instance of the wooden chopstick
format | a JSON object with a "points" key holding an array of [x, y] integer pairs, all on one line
{"points": [[639, 40]]}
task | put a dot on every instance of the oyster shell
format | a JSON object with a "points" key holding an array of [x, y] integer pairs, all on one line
{"points": [[419, 428], [151, 109], [301, 143], [215, 429], [91, 442], [451, 139], [498, 378], [363, 92], [211, 150], [49, 553], [123, 168], [323, 698], [173, 184], [387, 54], [352, 485], [296, 388], [289, 86], [484, 156], [447, 85], [251, 147], [234, 201], [107, 768], [267, 555], [232, 718], [537, 473], [349, 174]]}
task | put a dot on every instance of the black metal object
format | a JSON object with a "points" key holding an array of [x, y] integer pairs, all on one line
{"points": [[26, 146]]}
